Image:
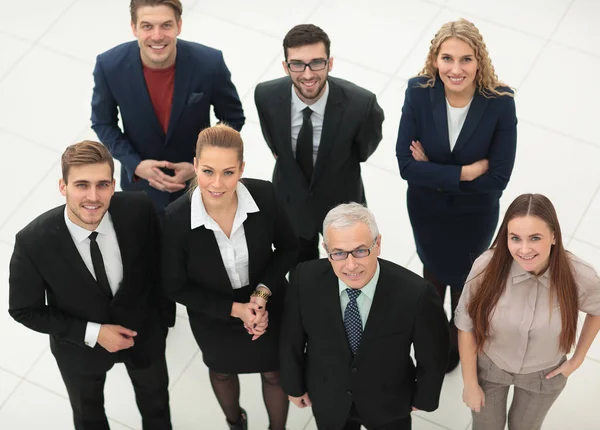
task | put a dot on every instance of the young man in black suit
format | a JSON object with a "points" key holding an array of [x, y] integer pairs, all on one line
{"points": [[319, 129], [350, 377], [86, 274]]}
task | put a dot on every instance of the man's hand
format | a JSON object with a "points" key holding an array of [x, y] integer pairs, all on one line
{"points": [[115, 338], [302, 401], [150, 171], [183, 172]]}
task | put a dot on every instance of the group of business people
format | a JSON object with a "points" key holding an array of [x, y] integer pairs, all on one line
{"points": [[100, 274]]}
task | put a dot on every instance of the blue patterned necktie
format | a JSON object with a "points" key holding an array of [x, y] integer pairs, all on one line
{"points": [[352, 321]]}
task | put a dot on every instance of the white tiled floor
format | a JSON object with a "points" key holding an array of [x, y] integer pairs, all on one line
{"points": [[545, 49]]}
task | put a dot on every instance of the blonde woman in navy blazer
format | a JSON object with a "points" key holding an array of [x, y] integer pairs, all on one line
{"points": [[456, 148]]}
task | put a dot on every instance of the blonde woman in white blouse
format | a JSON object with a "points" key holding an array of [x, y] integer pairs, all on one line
{"points": [[517, 318]]}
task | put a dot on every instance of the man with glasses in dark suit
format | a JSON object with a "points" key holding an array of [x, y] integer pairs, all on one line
{"points": [[349, 322], [319, 128]]}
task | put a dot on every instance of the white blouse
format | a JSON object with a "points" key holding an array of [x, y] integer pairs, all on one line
{"points": [[234, 249], [456, 120]]}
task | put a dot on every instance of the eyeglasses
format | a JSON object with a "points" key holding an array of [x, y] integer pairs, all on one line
{"points": [[357, 253], [315, 66]]}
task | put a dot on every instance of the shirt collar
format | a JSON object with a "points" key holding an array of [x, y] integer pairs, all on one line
{"points": [[79, 234], [518, 275], [317, 107], [199, 216], [368, 290]]}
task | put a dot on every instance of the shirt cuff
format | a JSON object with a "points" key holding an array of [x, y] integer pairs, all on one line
{"points": [[91, 334], [265, 287]]}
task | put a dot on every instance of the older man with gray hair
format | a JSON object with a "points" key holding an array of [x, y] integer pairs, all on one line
{"points": [[349, 324]]}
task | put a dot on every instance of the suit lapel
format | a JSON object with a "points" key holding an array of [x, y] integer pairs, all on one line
{"points": [[183, 81], [440, 114], [67, 249], [474, 115], [203, 245], [253, 230], [334, 110], [283, 127], [139, 91], [334, 321], [125, 238]]}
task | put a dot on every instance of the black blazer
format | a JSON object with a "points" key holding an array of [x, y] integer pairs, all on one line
{"points": [[381, 379], [351, 133], [46, 263], [193, 270]]}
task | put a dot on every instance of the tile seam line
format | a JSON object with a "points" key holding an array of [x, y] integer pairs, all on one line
{"points": [[546, 44], [34, 44]]}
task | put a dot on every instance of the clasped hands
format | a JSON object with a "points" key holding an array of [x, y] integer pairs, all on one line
{"points": [[150, 170], [254, 315]]}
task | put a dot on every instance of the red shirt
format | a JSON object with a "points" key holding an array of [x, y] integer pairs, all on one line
{"points": [[160, 83]]}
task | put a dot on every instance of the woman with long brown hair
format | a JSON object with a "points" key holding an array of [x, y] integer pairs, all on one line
{"points": [[226, 249], [456, 149], [517, 318]]}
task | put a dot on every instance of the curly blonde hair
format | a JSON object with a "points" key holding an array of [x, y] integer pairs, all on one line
{"points": [[486, 80]]}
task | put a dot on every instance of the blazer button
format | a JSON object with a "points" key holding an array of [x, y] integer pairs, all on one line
{"points": [[349, 392], [354, 370]]}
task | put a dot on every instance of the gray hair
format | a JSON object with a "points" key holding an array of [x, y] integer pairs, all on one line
{"points": [[348, 214]]}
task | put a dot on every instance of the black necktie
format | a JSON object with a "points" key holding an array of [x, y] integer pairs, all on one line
{"points": [[98, 263], [304, 145]]}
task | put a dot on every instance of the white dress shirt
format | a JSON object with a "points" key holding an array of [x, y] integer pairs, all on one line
{"points": [[316, 118], [111, 254], [456, 120], [234, 249], [364, 300]]}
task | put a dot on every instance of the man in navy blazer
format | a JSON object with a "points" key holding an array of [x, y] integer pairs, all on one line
{"points": [[163, 88]]}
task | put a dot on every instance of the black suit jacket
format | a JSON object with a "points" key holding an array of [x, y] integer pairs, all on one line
{"points": [[351, 133], [193, 270], [381, 379], [46, 265]]}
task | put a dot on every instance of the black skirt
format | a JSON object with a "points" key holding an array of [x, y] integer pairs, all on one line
{"points": [[227, 347]]}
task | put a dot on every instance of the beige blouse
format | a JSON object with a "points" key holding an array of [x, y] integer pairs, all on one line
{"points": [[524, 333]]}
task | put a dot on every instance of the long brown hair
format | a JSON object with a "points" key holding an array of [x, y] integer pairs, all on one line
{"points": [[486, 79], [494, 277]]}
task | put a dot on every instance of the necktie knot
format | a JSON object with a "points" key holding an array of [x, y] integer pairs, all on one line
{"points": [[352, 293], [93, 235], [306, 112]]}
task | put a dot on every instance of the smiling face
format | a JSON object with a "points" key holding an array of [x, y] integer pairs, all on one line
{"points": [[156, 30], [457, 65], [88, 190], [309, 85], [354, 272], [218, 171], [530, 242]]}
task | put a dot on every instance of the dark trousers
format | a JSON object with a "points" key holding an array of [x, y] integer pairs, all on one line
{"points": [[354, 422], [86, 393], [308, 249]]}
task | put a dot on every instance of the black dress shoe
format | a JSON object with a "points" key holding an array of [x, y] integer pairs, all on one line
{"points": [[453, 358], [242, 423]]}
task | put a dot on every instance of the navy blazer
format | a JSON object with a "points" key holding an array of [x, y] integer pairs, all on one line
{"points": [[489, 131], [201, 80]]}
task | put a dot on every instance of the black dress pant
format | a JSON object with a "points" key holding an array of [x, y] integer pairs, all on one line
{"points": [[86, 393], [354, 422]]}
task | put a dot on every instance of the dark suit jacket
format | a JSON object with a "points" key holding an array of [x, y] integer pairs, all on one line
{"points": [[193, 270], [351, 133], [46, 264], [381, 379], [489, 131], [201, 80]]}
